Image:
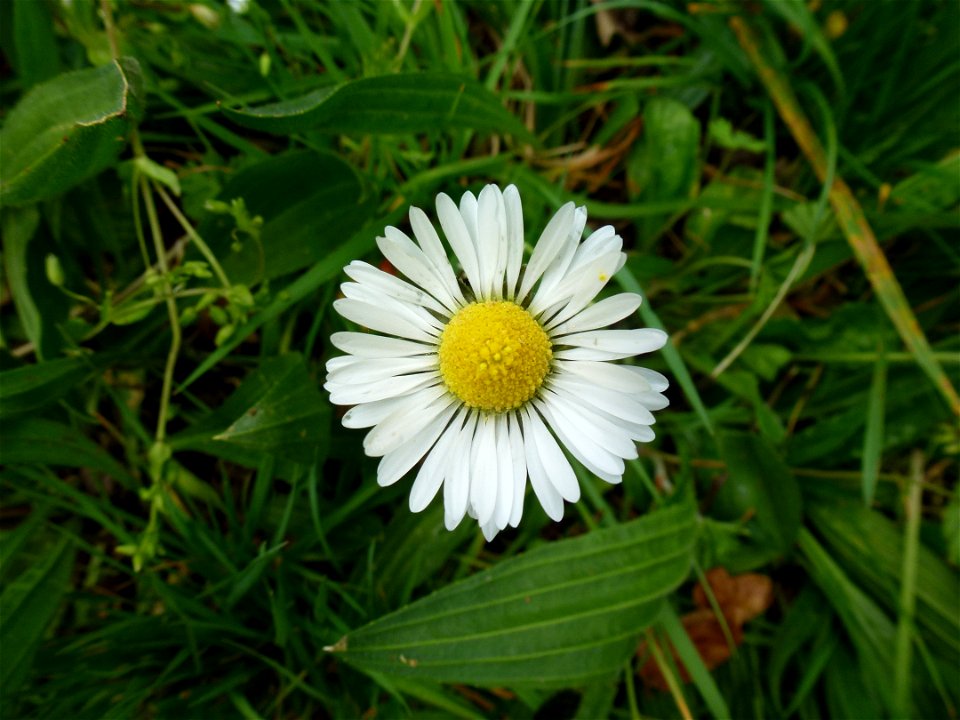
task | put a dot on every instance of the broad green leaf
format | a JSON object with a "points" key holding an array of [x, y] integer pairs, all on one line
{"points": [[389, 104], [308, 202], [562, 614], [34, 440], [66, 130], [278, 409], [33, 386], [760, 484], [27, 606]]}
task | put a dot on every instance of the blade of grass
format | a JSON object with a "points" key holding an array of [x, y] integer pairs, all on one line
{"points": [[766, 199], [848, 212], [692, 661], [873, 436], [676, 692], [908, 591]]}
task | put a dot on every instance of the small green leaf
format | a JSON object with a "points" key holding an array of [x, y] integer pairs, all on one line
{"points": [[760, 485], [155, 171], [389, 104], [722, 132], [562, 614], [32, 386], [277, 409], [66, 130]]}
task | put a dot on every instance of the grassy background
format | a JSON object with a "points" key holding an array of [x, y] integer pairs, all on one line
{"points": [[185, 524]]}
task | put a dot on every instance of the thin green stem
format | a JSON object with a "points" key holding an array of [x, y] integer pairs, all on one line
{"points": [[672, 684], [174, 351], [628, 680], [801, 263], [194, 235]]}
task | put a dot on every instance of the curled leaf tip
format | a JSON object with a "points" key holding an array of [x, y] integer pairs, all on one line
{"points": [[339, 646]]}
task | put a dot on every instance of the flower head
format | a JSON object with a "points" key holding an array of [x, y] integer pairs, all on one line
{"points": [[489, 379]]}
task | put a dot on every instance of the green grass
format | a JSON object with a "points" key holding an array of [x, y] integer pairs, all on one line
{"points": [[174, 228]]}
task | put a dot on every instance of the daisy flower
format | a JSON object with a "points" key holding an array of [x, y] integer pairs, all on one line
{"points": [[489, 378]]}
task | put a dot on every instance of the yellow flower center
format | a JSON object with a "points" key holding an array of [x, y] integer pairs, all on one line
{"points": [[494, 355]]}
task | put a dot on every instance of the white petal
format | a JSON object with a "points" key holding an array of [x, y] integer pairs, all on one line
{"points": [[546, 493], [409, 259], [582, 287], [370, 370], [391, 305], [378, 346], [468, 211], [430, 476], [483, 481], [514, 225], [518, 457], [558, 470], [456, 483], [355, 394], [630, 342], [503, 249], [658, 382], [653, 400], [375, 318], [595, 426], [369, 414], [605, 374], [397, 462], [599, 315], [490, 531], [435, 253], [505, 480], [549, 245], [617, 404], [459, 238], [489, 236], [555, 274], [395, 287], [599, 243], [596, 459], [402, 424]]}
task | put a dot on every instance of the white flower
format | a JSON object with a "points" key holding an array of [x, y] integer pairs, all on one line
{"points": [[483, 377]]}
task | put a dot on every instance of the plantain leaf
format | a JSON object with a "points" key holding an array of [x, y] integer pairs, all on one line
{"points": [[66, 130], [562, 614], [389, 104]]}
